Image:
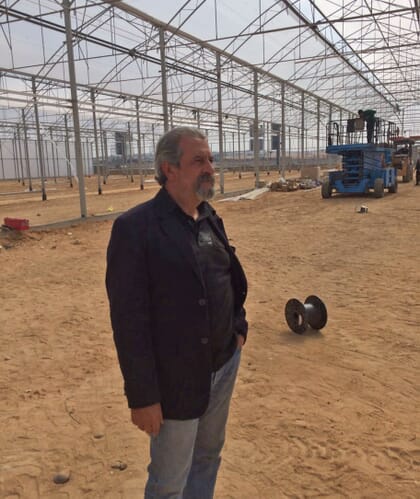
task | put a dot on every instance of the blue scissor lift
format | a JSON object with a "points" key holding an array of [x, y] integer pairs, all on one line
{"points": [[365, 166]]}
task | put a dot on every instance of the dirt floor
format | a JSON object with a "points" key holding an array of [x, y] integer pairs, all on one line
{"points": [[333, 413]]}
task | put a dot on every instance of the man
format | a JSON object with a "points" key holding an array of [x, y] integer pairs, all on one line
{"points": [[371, 121], [418, 171], [176, 292]]}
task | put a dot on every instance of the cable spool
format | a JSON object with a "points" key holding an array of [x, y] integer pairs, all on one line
{"points": [[299, 315]]}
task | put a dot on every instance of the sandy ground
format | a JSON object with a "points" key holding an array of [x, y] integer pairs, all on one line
{"points": [[331, 414]]}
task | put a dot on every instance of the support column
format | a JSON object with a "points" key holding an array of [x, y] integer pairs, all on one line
{"points": [[220, 124], [239, 148], [19, 144], [2, 162], [67, 151], [130, 152], [256, 140], [302, 132], [95, 136], [283, 130], [75, 109], [139, 145], [318, 126], [103, 154], [38, 134], [25, 143], [53, 156], [15, 158], [164, 79]]}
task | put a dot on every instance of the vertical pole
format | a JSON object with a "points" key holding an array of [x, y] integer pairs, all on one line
{"points": [[38, 134], [239, 148], [19, 144], [106, 168], [75, 109], [318, 126], [198, 118], [220, 124], [47, 159], [340, 126], [283, 130], [25, 142], [95, 135], [256, 132], [233, 146], [15, 158], [67, 151], [53, 155], [139, 145], [143, 136], [153, 138], [164, 81], [91, 155], [36, 158], [2, 162], [302, 132], [103, 168], [130, 152], [171, 114]]}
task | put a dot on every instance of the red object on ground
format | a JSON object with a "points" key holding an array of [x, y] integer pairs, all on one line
{"points": [[17, 223]]}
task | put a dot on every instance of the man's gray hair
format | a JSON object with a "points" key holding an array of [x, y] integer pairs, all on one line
{"points": [[168, 149]]}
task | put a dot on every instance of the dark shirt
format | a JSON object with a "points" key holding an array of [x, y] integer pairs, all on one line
{"points": [[369, 114], [215, 266]]}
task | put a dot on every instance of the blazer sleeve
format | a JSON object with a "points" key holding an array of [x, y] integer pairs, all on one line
{"points": [[127, 284]]}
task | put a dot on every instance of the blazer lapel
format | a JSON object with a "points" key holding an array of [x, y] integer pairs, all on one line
{"points": [[176, 232]]}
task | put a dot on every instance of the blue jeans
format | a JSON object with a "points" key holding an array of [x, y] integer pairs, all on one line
{"points": [[185, 456]]}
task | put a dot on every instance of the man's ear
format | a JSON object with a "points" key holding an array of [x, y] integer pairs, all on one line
{"points": [[168, 169]]}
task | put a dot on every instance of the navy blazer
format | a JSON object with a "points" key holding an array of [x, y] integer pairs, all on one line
{"points": [[159, 311]]}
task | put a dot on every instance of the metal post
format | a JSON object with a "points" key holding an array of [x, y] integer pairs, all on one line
{"points": [[139, 145], [2, 161], [318, 125], [106, 168], [153, 138], [130, 152], [38, 134], [239, 148], [15, 158], [95, 136], [67, 151], [75, 108], [25, 142], [53, 156], [256, 132], [220, 124], [302, 131], [47, 159], [19, 148], [163, 77], [283, 130], [103, 168], [171, 114]]}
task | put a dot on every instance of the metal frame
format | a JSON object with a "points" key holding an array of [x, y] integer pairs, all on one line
{"points": [[290, 63]]}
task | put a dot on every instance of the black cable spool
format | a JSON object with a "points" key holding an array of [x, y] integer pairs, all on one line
{"points": [[299, 315]]}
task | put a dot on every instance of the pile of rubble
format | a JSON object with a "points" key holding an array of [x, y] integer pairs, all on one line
{"points": [[287, 185]]}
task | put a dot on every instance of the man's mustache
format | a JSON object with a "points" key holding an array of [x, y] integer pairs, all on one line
{"points": [[206, 177]]}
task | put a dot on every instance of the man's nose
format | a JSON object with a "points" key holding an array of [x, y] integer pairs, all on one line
{"points": [[209, 167]]}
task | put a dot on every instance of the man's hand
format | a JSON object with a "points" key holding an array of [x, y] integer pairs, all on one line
{"points": [[241, 340], [148, 419]]}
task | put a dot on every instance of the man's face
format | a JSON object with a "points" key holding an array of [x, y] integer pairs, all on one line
{"points": [[195, 174]]}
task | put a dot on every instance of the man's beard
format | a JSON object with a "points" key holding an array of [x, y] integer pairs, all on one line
{"points": [[204, 193]]}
